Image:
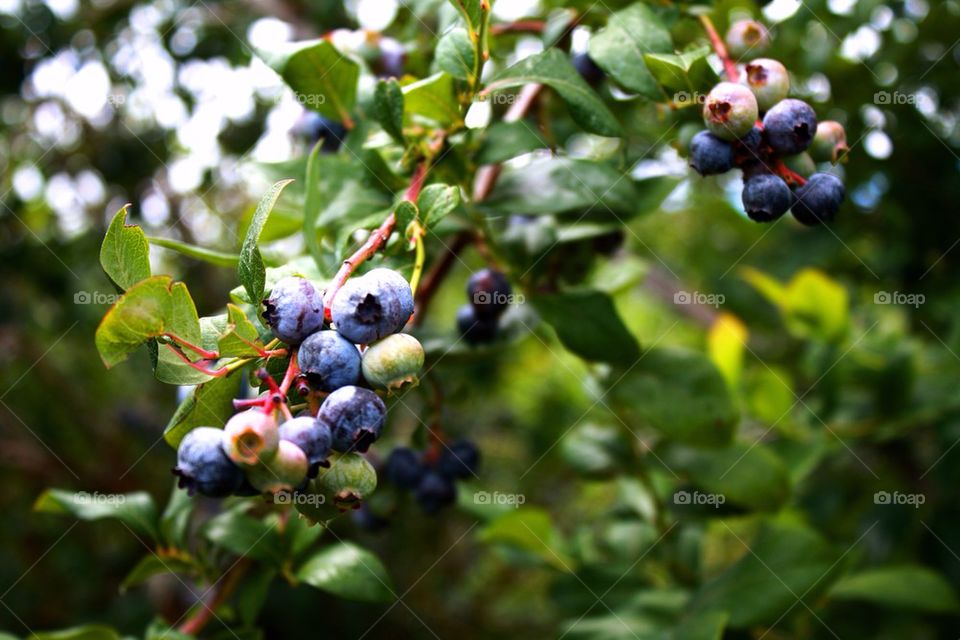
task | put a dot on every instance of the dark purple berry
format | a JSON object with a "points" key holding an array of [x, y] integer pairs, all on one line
{"points": [[460, 459], [203, 466], [329, 361], [789, 126], [709, 155], [355, 417], [312, 436], [587, 68], [766, 197], [294, 309], [435, 492], [404, 468], [474, 329], [372, 306], [313, 127], [819, 199], [489, 292]]}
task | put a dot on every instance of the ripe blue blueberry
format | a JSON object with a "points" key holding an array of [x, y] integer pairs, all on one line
{"points": [[294, 309], [434, 492], [819, 199], [709, 155], [313, 127], [489, 292], [391, 59], [587, 68], [789, 126], [475, 329], [372, 306], [730, 111], [830, 143], [394, 362], [404, 468], [312, 436], [329, 361], [460, 459], [203, 467], [769, 81], [365, 518], [766, 197], [746, 38], [355, 417]]}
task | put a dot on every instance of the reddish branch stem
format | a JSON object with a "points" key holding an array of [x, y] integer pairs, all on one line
{"points": [[200, 351], [195, 623], [520, 26], [214, 373], [790, 176], [729, 65]]}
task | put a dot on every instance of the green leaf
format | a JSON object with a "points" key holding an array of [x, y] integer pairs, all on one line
{"points": [[253, 592], [240, 336], [250, 268], [406, 212], [588, 324], [619, 47], [554, 69], [709, 626], [505, 140], [530, 529], [436, 201], [687, 71], [153, 565], [815, 306], [322, 78], [147, 310], [749, 475], [175, 518], [595, 449], [218, 258], [433, 99], [784, 562], [907, 586], [86, 632], [245, 535], [679, 393], [348, 571], [473, 12], [125, 253], [456, 55], [312, 203], [726, 342], [209, 405], [136, 510], [388, 107], [560, 185]]}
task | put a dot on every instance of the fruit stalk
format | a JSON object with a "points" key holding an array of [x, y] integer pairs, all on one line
{"points": [[729, 65], [195, 623]]}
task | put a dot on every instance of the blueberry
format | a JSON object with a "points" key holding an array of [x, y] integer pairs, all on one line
{"points": [[489, 292], [350, 479], [285, 471], [434, 492], [203, 467], [250, 437], [819, 199], [460, 459], [730, 111], [404, 468], [312, 436], [294, 309], [394, 362], [751, 144], [766, 197], [313, 127], [474, 329], [366, 519], [372, 306], [587, 68], [391, 59], [789, 126], [769, 81], [709, 155], [830, 143], [329, 361], [746, 37], [355, 417]]}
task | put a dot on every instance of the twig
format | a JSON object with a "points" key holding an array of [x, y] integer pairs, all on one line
{"points": [[195, 623], [729, 65]]}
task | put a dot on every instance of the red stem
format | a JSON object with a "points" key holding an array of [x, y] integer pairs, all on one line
{"points": [[520, 26], [729, 65], [200, 351], [293, 370], [214, 373], [195, 624], [789, 175]]}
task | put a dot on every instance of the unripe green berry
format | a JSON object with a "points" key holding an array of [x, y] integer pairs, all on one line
{"points": [[250, 437], [747, 38], [802, 164], [393, 362], [830, 142], [730, 111], [768, 80], [284, 472], [349, 479]]}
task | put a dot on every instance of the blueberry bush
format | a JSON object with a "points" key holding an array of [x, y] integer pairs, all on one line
{"points": [[517, 337]]}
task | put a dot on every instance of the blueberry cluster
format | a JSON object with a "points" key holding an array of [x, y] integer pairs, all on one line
{"points": [[754, 126], [432, 474], [254, 453], [489, 293]]}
